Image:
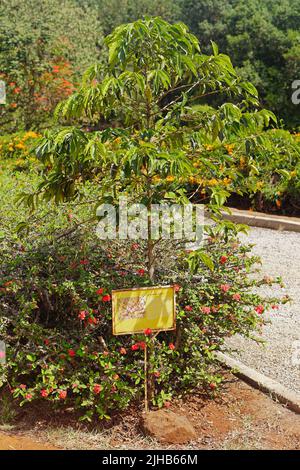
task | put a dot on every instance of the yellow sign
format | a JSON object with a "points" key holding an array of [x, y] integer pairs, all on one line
{"points": [[135, 310]]}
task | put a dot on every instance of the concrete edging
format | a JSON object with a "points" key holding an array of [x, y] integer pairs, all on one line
{"points": [[267, 385], [259, 219]]}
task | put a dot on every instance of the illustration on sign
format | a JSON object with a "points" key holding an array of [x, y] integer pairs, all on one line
{"points": [[136, 309], [2, 92], [2, 352]]}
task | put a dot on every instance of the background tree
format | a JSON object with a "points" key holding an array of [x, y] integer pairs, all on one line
{"points": [[262, 38], [44, 47], [112, 13]]}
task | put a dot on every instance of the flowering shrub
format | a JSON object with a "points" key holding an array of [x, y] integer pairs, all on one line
{"points": [[15, 149], [266, 176], [56, 319], [271, 177]]}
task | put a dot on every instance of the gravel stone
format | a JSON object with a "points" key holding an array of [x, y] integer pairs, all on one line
{"points": [[279, 357]]}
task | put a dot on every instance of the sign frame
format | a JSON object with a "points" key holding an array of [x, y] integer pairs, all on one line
{"points": [[148, 288]]}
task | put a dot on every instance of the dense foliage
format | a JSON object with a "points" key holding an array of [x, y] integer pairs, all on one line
{"points": [[42, 55], [41, 52], [263, 40]]}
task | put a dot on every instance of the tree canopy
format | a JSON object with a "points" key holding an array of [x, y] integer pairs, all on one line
{"points": [[262, 39], [132, 127]]}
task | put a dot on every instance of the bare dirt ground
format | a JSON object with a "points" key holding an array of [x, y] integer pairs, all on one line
{"points": [[240, 418], [9, 442]]}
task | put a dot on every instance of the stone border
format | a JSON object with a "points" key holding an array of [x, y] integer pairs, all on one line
{"points": [[259, 219], [262, 382]]}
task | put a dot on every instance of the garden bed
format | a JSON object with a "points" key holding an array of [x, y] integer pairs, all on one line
{"points": [[244, 202], [240, 418]]}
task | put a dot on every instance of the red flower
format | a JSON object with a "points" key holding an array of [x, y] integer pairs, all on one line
{"points": [[223, 259], [106, 298], [92, 321], [225, 287], [142, 345], [259, 309], [148, 332], [275, 307], [212, 386], [135, 246], [141, 272], [28, 396], [177, 287], [188, 308], [82, 315], [123, 351], [62, 394], [167, 404], [105, 353], [156, 374], [23, 387], [46, 342], [205, 310], [135, 347], [171, 346], [44, 393], [84, 262], [71, 352], [236, 297], [99, 291], [97, 389]]}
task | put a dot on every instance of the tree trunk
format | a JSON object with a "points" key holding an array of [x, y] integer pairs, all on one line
{"points": [[150, 248]]}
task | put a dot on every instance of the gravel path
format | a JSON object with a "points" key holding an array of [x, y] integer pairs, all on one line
{"points": [[279, 358]]}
